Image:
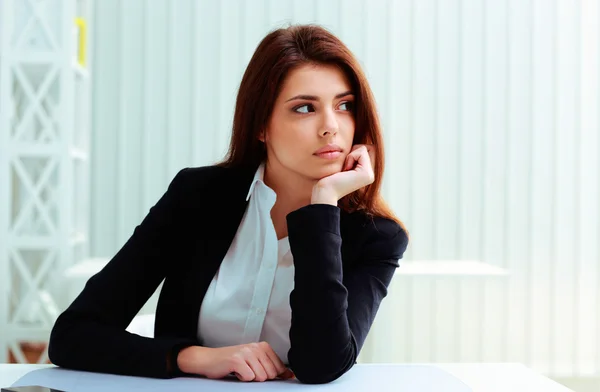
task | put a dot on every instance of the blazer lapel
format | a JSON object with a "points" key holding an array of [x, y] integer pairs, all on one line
{"points": [[223, 214]]}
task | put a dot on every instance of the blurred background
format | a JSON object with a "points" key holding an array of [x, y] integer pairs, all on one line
{"points": [[490, 112]]}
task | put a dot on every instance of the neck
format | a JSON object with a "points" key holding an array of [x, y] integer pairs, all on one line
{"points": [[293, 190]]}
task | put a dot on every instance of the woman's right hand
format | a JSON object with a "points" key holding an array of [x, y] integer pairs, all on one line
{"points": [[248, 362]]}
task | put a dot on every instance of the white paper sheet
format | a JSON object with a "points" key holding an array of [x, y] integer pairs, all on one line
{"points": [[379, 378]]}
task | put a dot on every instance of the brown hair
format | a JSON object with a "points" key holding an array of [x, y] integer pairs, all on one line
{"points": [[277, 54]]}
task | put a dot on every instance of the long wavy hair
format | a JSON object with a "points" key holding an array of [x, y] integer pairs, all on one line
{"points": [[278, 53]]}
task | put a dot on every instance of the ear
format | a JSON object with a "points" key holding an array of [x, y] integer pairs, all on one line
{"points": [[261, 136]]}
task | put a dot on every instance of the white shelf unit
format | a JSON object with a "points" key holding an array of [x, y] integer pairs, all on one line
{"points": [[45, 93]]}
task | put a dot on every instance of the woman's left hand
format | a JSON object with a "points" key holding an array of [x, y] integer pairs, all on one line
{"points": [[356, 173]]}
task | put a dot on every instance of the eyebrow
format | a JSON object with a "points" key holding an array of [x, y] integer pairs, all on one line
{"points": [[315, 98]]}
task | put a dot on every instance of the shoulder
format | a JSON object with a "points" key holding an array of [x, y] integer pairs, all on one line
{"points": [[213, 177], [378, 237], [189, 176]]}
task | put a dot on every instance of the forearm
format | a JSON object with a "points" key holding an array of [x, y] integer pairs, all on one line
{"points": [[319, 300], [322, 346], [90, 346]]}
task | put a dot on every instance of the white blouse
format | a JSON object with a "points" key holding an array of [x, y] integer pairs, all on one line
{"points": [[248, 299]]}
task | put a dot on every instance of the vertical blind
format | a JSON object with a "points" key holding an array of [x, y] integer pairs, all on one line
{"points": [[490, 113]]}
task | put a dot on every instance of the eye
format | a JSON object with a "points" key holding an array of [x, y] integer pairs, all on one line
{"points": [[347, 106], [307, 108]]}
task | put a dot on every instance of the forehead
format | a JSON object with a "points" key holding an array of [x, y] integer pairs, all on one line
{"points": [[319, 80]]}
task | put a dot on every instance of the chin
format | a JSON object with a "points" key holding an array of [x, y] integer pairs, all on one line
{"points": [[327, 170], [313, 171]]}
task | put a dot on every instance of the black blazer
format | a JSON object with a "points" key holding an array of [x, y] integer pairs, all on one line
{"points": [[343, 266]]}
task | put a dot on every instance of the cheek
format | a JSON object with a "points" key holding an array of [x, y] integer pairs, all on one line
{"points": [[291, 134], [347, 128]]}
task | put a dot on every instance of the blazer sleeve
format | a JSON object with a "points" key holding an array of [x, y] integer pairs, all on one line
{"points": [[90, 334], [333, 309]]}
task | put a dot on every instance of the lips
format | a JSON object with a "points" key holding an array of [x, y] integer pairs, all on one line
{"points": [[330, 151]]}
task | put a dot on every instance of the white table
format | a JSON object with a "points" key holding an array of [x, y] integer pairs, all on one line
{"points": [[449, 269], [380, 377]]}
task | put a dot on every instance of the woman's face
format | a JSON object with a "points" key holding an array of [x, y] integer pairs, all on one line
{"points": [[312, 124]]}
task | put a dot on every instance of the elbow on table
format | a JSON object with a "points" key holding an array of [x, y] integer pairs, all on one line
{"points": [[60, 345], [314, 378], [310, 370]]}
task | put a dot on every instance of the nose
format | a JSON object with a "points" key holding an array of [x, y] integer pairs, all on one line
{"points": [[329, 127]]}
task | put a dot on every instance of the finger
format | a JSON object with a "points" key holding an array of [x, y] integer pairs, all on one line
{"points": [[287, 375], [363, 157], [243, 371], [365, 166], [358, 146], [353, 158], [268, 365], [349, 162], [372, 153], [258, 369], [355, 153], [275, 360], [358, 157], [369, 147]]}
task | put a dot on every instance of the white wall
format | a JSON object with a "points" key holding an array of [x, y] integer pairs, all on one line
{"points": [[490, 111]]}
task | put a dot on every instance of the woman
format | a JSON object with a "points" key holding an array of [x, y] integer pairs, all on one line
{"points": [[279, 256]]}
